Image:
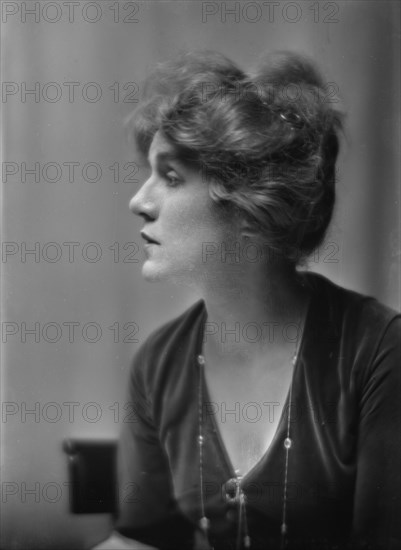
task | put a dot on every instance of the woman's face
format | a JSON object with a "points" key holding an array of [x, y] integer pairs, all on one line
{"points": [[188, 228]]}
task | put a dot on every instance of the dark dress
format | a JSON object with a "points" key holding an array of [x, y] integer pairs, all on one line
{"points": [[344, 465]]}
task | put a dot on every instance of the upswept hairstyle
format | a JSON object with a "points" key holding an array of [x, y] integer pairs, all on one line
{"points": [[266, 141]]}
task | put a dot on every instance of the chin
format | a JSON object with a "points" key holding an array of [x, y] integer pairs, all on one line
{"points": [[156, 271], [151, 275], [153, 272]]}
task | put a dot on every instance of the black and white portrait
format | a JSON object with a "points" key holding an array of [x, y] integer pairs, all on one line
{"points": [[201, 303]]}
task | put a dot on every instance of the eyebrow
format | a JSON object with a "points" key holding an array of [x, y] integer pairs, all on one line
{"points": [[165, 156], [171, 156]]}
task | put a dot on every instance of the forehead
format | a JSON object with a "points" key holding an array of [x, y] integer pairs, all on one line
{"points": [[161, 149]]}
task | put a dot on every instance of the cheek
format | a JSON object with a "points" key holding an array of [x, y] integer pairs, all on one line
{"points": [[188, 215], [201, 223]]}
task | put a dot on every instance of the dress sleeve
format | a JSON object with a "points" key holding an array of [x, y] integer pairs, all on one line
{"points": [[147, 510], [377, 510]]}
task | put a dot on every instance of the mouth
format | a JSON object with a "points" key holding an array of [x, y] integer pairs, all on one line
{"points": [[148, 238]]}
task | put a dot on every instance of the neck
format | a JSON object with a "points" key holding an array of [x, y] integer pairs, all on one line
{"points": [[252, 313]]}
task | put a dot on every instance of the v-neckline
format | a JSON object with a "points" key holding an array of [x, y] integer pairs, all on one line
{"points": [[216, 428], [222, 446]]}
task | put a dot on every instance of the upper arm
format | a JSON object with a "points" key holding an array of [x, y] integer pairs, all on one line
{"points": [[144, 479], [376, 521], [147, 509]]}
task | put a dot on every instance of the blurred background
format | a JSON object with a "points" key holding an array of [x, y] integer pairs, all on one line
{"points": [[75, 308]]}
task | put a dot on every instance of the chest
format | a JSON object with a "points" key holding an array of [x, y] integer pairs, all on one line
{"points": [[246, 409]]}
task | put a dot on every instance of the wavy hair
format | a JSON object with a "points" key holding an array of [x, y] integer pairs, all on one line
{"points": [[266, 141]]}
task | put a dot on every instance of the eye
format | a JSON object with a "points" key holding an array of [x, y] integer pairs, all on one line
{"points": [[172, 178]]}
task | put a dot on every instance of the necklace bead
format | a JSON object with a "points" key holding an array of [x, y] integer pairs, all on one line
{"points": [[287, 443], [204, 523], [234, 494], [232, 491]]}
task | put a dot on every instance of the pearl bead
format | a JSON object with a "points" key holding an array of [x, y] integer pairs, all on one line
{"points": [[287, 442], [200, 439], [283, 528], [204, 523], [201, 360]]}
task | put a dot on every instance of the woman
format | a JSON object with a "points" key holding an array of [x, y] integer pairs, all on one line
{"points": [[266, 415]]}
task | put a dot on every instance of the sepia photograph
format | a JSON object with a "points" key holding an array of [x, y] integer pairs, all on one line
{"points": [[201, 275]]}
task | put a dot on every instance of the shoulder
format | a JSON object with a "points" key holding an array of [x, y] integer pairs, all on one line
{"points": [[174, 329], [350, 306], [362, 326], [169, 345]]}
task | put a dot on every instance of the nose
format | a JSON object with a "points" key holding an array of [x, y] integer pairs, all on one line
{"points": [[143, 203]]}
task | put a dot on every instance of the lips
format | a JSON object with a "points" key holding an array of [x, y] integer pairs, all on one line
{"points": [[148, 238]]}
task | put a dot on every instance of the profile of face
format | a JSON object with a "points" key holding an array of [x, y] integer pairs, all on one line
{"points": [[183, 225]]}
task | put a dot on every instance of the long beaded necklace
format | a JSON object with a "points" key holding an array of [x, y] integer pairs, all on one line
{"points": [[236, 493]]}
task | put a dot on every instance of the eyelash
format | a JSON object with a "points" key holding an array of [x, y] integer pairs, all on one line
{"points": [[173, 181]]}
